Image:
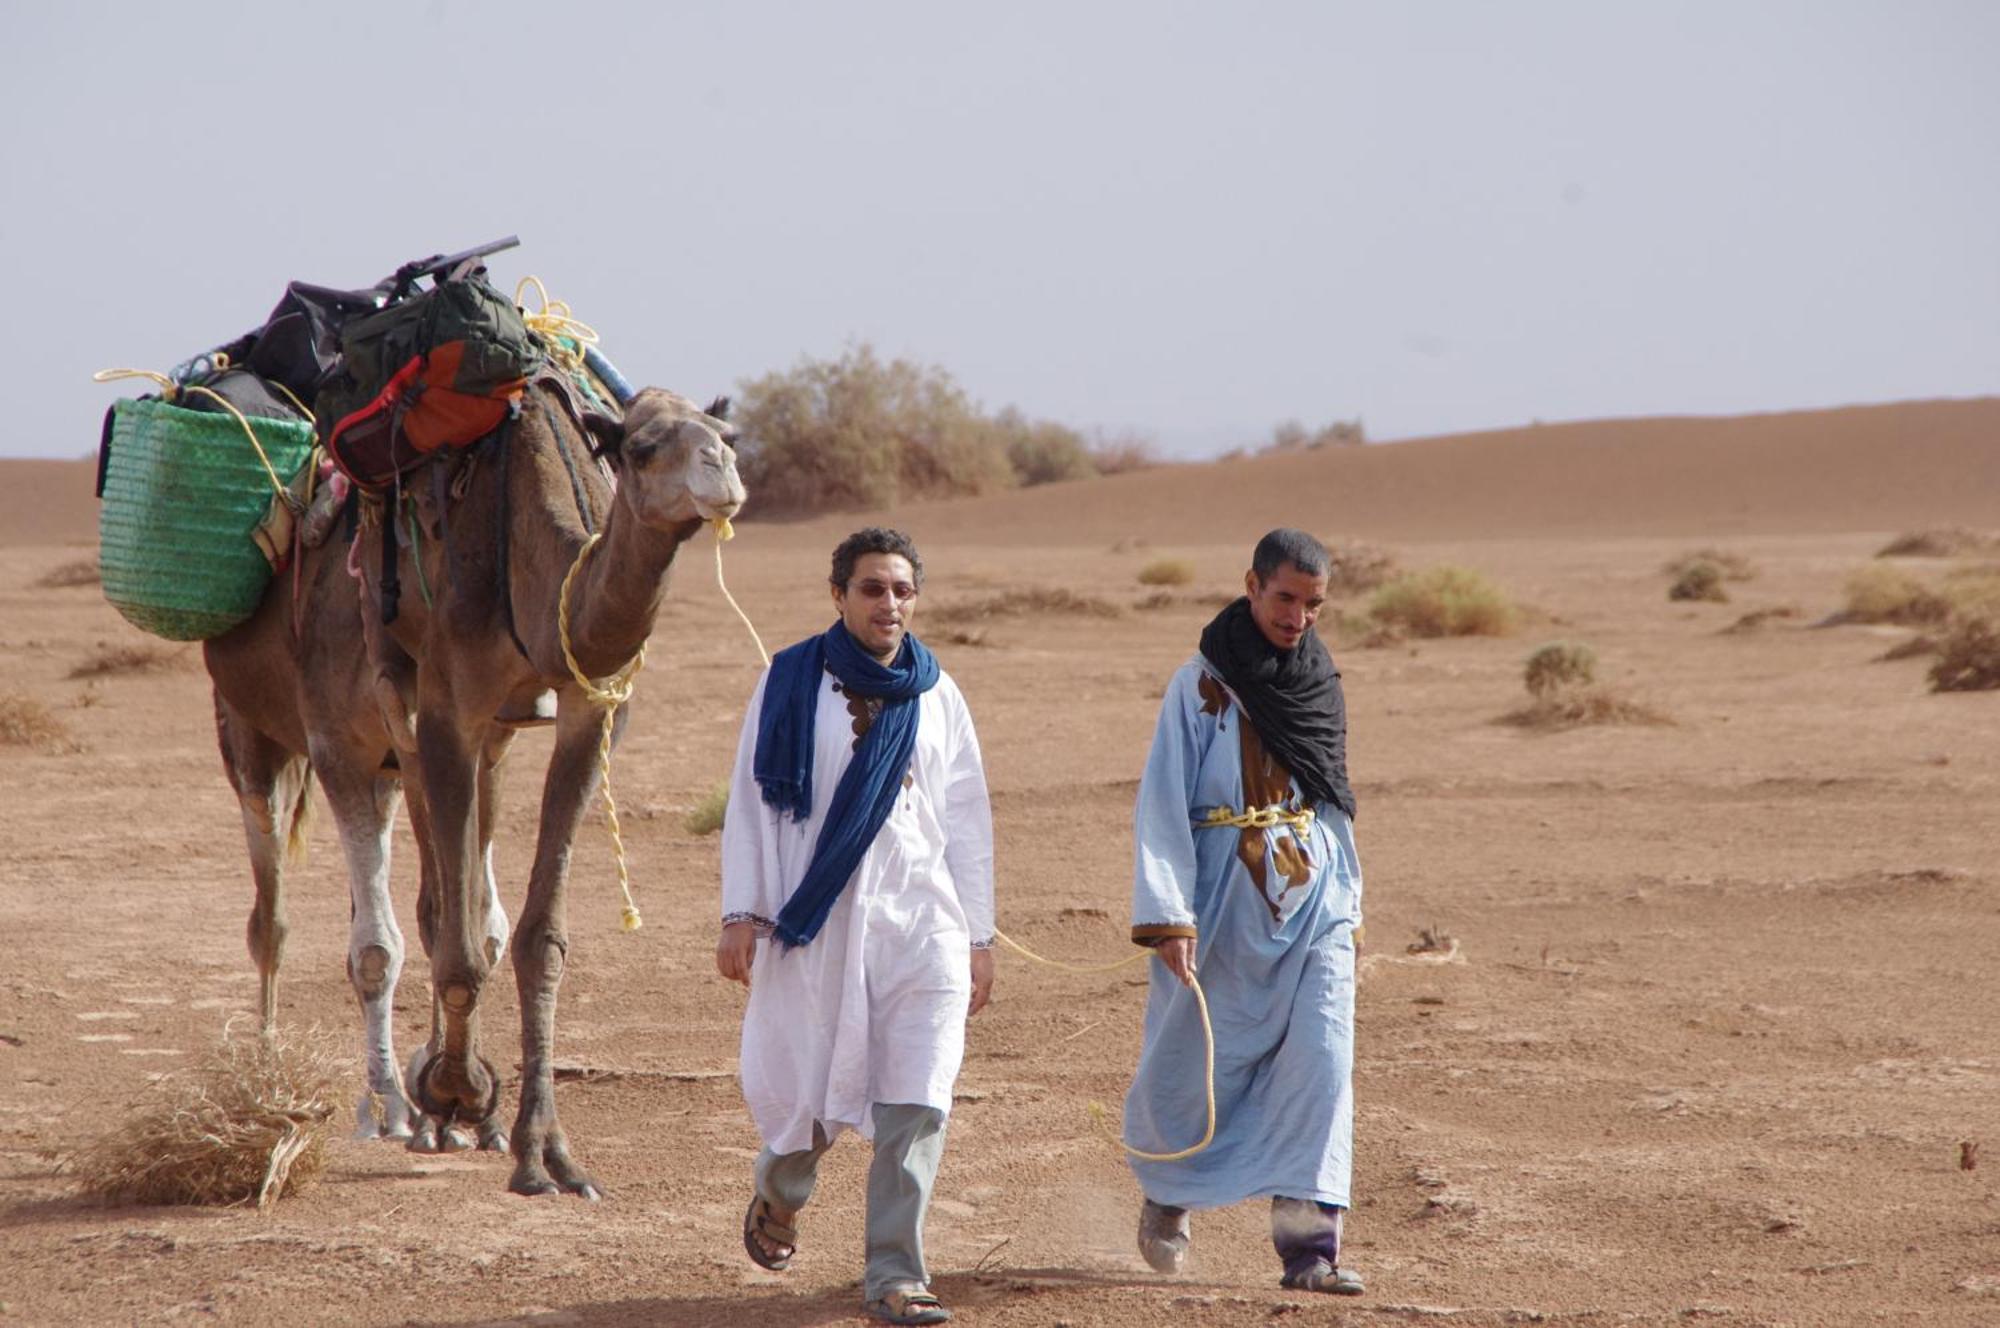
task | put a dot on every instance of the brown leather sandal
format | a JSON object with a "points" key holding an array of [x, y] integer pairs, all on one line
{"points": [[758, 1223]]}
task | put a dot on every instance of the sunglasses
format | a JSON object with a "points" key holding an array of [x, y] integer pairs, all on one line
{"points": [[873, 589]]}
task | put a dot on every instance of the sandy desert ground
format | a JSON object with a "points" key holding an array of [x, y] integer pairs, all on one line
{"points": [[1725, 1014]]}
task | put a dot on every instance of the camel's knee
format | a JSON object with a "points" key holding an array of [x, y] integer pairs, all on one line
{"points": [[540, 958], [373, 969], [266, 936]]}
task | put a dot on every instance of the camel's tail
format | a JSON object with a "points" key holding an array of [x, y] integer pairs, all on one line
{"points": [[301, 828]]}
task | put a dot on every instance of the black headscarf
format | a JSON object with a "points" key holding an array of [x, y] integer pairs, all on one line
{"points": [[1292, 696]]}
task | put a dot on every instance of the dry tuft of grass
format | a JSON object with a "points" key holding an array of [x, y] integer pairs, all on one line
{"points": [[1167, 572], [1891, 595], [1443, 601], [1557, 665], [1733, 566], [1946, 542], [1015, 603], [1755, 619], [1699, 581], [707, 816], [1920, 644], [1356, 568], [1578, 706], [146, 657], [26, 722], [246, 1124], [1968, 658], [1973, 592], [82, 572]]}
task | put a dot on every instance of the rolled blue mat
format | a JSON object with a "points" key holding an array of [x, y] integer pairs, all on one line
{"points": [[607, 373]]}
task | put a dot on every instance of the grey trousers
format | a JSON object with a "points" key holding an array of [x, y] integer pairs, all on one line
{"points": [[909, 1144]]}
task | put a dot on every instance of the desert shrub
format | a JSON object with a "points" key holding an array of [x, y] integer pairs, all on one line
{"points": [[1354, 567], [1041, 451], [1167, 572], [1557, 665], [1012, 603], [1121, 453], [248, 1123], [1699, 581], [82, 572], [1756, 618], [1973, 592], [857, 432], [1920, 644], [1443, 601], [1889, 594], [1968, 658], [1579, 705], [1733, 566], [1292, 436], [26, 722], [1947, 542], [706, 816], [144, 657]]}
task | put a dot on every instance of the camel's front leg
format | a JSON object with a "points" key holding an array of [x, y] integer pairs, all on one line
{"points": [[454, 1084], [542, 1158]]}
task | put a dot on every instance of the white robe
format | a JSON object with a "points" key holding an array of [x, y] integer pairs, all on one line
{"points": [[872, 1010]]}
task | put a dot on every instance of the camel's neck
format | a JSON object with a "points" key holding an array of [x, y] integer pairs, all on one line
{"points": [[617, 594]]}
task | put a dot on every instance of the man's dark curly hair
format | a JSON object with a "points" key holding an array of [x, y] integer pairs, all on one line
{"points": [[873, 539]]}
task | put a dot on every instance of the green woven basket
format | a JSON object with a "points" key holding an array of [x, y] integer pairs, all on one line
{"points": [[183, 489]]}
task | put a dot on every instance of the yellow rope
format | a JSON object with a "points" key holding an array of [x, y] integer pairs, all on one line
{"points": [[611, 693], [169, 389], [1260, 818], [724, 532], [552, 320], [1207, 1033]]}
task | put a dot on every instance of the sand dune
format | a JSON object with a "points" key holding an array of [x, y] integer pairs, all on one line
{"points": [[1855, 468]]}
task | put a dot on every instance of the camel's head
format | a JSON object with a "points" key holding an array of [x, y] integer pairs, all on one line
{"points": [[676, 462]]}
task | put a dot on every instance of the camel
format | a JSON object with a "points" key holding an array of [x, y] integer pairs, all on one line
{"points": [[295, 696], [486, 642]]}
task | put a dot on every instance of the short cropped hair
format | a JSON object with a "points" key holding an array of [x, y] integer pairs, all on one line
{"points": [[873, 539], [1285, 545]]}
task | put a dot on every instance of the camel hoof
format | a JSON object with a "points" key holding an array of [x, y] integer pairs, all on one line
{"points": [[454, 1139], [424, 1139], [492, 1138], [378, 1116]]}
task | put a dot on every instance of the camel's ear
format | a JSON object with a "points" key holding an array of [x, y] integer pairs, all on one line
{"points": [[607, 435], [719, 408]]}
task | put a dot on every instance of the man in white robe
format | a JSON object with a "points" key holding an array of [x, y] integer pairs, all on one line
{"points": [[860, 981]]}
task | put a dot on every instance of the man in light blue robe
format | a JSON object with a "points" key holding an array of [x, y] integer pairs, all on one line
{"points": [[1246, 876]]}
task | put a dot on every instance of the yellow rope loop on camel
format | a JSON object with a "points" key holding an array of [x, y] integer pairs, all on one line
{"points": [[169, 390], [553, 322], [608, 693]]}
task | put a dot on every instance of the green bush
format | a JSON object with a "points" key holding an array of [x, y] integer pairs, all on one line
{"points": [[860, 433], [1878, 593], [1443, 601], [706, 816], [1167, 572], [1557, 665]]}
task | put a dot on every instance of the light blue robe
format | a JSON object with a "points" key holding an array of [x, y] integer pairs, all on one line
{"points": [[1280, 990]]}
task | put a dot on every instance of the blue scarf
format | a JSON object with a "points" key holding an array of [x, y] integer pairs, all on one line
{"points": [[868, 788]]}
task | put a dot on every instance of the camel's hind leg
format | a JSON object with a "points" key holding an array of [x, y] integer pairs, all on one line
{"points": [[364, 800], [273, 791]]}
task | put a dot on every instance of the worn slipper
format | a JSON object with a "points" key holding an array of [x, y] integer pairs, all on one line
{"points": [[1163, 1236], [759, 1222], [1320, 1275], [914, 1306]]}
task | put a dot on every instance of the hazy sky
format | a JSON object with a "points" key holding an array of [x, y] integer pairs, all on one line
{"points": [[1187, 220]]}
